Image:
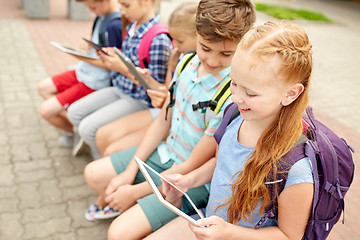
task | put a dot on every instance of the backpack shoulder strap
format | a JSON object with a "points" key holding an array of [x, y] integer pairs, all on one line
{"points": [[103, 38], [230, 112], [94, 24], [217, 100], [184, 62], [221, 95], [145, 43], [275, 186]]}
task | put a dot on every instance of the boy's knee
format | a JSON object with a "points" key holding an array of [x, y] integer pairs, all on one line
{"points": [[86, 130], [89, 174], [116, 232], [43, 86], [46, 111], [71, 115]]}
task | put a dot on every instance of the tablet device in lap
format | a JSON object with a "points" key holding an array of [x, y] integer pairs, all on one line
{"points": [[132, 69], [149, 174]]}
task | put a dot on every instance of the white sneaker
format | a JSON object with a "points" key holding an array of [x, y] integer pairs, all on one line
{"points": [[106, 213], [79, 146], [66, 140]]}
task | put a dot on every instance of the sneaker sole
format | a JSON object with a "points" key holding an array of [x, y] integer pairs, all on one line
{"points": [[79, 148], [90, 219], [106, 216]]}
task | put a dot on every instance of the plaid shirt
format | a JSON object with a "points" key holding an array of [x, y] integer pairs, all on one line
{"points": [[159, 55]]}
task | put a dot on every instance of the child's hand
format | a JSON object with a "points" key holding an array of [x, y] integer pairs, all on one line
{"points": [[122, 199], [84, 46], [174, 58], [171, 194], [158, 97], [113, 61], [211, 228], [121, 179], [154, 84]]}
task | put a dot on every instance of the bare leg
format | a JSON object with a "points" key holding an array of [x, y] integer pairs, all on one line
{"points": [[51, 111], [98, 175], [128, 141], [177, 229], [118, 129], [132, 224], [46, 88]]}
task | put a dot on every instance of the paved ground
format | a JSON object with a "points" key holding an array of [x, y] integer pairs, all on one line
{"points": [[42, 191]]}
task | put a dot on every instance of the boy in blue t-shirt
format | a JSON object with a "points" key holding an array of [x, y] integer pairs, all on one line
{"points": [[61, 90]]}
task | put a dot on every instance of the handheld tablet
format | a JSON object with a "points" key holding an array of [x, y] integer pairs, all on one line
{"points": [[71, 50], [148, 172], [94, 45], [132, 69]]}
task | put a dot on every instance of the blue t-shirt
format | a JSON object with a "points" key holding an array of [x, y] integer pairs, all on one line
{"points": [[231, 159], [93, 76]]}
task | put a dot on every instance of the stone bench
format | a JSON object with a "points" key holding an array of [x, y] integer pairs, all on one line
{"points": [[40, 9]]}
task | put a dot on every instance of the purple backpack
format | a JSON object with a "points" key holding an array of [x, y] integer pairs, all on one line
{"points": [[333, 171]]}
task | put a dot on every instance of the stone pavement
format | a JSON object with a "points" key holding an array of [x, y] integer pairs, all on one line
{"points": [[42, 191]]}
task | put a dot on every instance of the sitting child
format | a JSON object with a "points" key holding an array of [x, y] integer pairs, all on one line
{"points": [[126, 96], [61, 90], [271, 92], [128, 131]]}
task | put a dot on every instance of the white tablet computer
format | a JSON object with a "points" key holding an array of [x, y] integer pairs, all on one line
{"points": [[132, 69], [71, 50], [148, 172]]}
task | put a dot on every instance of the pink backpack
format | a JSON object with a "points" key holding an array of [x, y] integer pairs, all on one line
{"points": [[145, 43]]}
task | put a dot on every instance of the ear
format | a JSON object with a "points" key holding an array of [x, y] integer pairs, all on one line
{"points": [[292, 94]]}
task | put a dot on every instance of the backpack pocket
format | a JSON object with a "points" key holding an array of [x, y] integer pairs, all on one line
{"points": [[320, 229]]}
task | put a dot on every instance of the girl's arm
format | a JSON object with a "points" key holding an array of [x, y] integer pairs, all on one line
{"points": [[294, 210]]}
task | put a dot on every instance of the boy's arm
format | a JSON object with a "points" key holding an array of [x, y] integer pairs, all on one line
{"points": [[203, 151], [95, 62], [156, 133]]}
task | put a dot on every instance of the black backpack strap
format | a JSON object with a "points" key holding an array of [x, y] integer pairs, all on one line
{"points": [[103, 34], [185, 62]]}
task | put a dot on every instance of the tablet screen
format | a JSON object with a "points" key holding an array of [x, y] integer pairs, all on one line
{"points": [[153, 178]]}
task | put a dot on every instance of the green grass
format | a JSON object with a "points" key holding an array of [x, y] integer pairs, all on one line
{"points": [[291, 14]]}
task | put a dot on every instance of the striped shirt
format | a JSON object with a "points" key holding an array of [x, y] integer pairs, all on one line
{"points": [[160, 50], [188, 126]]}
